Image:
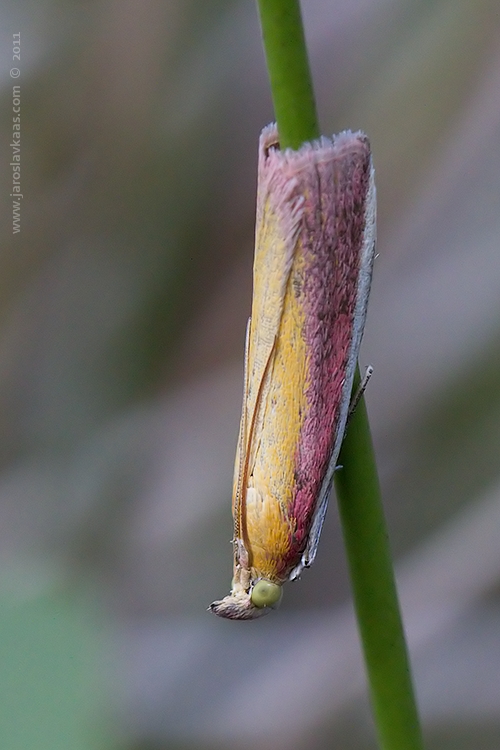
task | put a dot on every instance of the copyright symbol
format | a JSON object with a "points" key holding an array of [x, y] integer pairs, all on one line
{"points": [[15, 72]]}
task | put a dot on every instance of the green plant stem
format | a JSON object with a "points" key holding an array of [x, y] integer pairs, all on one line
{"points": [[374, 589], [289, 73], [357, 486]]}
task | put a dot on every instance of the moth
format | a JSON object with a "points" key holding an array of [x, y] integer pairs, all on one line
{"points": [[314, 252]]}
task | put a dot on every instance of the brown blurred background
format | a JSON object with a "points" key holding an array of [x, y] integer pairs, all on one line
{"points": [[123, 305]]}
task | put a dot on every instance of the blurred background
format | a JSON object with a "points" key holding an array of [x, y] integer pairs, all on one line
{"points": [[124, 299]]}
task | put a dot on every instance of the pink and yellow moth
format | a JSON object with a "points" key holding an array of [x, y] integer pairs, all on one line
{"points": [[314, 251]]}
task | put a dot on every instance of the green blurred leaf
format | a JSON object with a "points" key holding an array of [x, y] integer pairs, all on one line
{"points": [[51, 686]]}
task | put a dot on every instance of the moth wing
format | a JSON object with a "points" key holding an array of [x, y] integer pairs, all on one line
{"points": [[367, 256], [279, 214]]}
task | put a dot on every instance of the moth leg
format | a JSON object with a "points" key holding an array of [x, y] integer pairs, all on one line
{"points": [[359, 392], [355, 400]]}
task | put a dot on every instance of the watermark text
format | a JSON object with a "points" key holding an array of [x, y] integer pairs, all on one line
{"points": [[15, 145]]}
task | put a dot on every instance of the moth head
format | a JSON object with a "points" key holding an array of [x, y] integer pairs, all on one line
{"points": [[240, 604]]}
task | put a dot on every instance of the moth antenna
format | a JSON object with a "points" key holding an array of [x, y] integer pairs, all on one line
{"points": [[242, 478], [243, 442]]}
